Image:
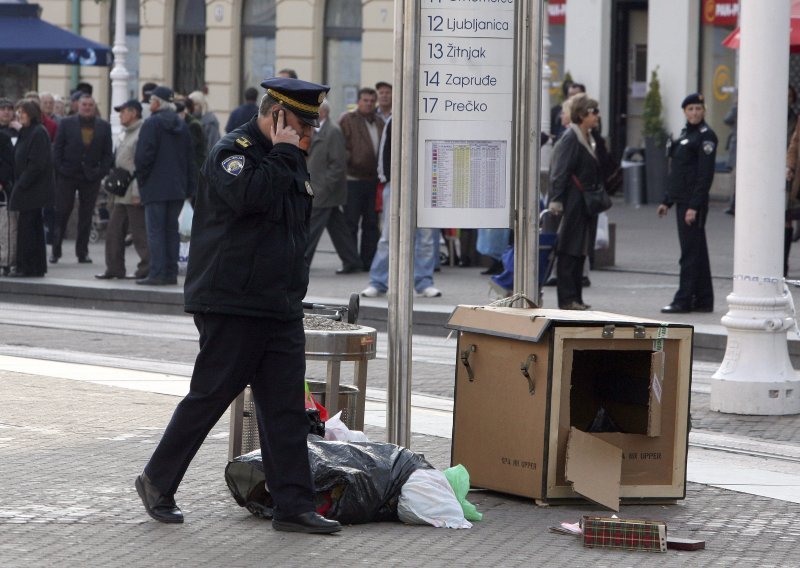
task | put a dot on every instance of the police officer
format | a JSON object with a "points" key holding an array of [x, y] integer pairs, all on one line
{"points": [[245, 283], [691, 173]]}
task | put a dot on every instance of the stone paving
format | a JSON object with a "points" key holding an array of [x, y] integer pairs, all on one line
{"points": [[70, 450]]}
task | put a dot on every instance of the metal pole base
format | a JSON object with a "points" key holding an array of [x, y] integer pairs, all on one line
{"points": [[756, 377]]}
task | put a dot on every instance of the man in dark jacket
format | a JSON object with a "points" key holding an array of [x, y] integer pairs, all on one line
{"points": [[165, 170], [83, 154], [245, 284], [327, 163], [243, 113], [690, 177]]}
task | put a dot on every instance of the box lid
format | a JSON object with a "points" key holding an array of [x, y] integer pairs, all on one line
{"points": [[528, 324], [594, 467]]}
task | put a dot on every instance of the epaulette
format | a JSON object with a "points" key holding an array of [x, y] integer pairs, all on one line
{"points": [[703, 129], [244, 142]]}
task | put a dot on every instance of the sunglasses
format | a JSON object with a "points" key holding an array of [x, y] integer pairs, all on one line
{"points": [[593, 111]]}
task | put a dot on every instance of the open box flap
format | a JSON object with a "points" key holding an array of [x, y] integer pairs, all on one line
{"points": [[594, 467], [528, 324]]}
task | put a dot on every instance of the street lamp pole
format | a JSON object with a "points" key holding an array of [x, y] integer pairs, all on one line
{"points": [[119, 74], [756, 375]]}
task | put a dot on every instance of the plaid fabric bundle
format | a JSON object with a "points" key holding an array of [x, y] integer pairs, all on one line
{"points": [[625, 534]]}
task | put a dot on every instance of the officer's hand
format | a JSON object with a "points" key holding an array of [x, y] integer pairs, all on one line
{"points": [[662, 210], [283, 133], [691, 216]]}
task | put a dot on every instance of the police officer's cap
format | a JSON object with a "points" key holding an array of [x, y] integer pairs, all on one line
{"points": [[693, 99], [300, 97]]}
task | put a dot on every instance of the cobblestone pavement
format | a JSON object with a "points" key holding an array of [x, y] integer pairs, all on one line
{"points": [[70, 450]]}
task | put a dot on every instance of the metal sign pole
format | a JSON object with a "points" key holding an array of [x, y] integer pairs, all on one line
{"points": [[402, 220], [527, 127]]}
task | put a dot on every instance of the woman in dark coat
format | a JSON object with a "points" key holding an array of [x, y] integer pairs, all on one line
{"points": [[574, 165], [34, 185]]}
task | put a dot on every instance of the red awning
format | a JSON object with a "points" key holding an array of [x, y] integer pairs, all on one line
{"points": [[732, 40]]}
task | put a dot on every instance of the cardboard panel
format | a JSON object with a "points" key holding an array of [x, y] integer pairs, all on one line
{"points": [[594, 467], [498, 432]]}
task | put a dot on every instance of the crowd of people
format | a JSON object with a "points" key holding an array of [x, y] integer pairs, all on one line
{"points": [[54, 150]]}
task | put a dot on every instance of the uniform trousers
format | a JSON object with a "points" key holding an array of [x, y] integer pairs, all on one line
{"points": [[695, 289], [360, 208], [65, 201], [235, 351]]}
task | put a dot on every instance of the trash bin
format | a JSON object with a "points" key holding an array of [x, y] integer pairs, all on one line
{"points": [[633, 176]]}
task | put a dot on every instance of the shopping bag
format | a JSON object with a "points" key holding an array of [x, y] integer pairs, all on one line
{"points": [[185, 220]]}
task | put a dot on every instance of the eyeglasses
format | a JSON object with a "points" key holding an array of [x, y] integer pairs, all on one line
{"points": [[592, 111]]}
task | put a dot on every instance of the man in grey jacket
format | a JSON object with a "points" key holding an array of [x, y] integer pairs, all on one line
{"points": [[127, 214], [327, 164]]}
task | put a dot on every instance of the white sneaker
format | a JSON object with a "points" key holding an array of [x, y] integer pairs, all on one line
{"points": [[430, 292], [371, 292]]}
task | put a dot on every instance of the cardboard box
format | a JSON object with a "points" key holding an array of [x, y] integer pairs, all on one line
{"points": [[562, 405]]}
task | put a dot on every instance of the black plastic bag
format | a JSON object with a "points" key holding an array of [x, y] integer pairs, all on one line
{"points": [[356, 482]]}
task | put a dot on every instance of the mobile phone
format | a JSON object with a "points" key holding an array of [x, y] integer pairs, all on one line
{"points": [[275, 119]]}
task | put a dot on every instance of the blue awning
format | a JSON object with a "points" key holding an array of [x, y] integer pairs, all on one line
{"points": [[26, 39]]}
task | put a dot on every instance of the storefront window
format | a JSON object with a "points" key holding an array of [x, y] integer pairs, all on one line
{"points": [[258, 42], [16, 80], [190, 45], [131, 42], [343, 30], [718, 75]]}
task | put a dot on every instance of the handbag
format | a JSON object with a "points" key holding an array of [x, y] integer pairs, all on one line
{"points": [[117, 181], [596, 201]]}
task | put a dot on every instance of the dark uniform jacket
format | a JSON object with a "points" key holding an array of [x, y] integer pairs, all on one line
{"points": [[250, 228], [75, 160], [577, 228], [34, 180], [692, 168], [165, 167]]}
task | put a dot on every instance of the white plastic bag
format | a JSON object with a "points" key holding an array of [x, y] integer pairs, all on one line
{"points": [[601, 240], [427, 499], [185, 220], [183, 257], [336, 430]]}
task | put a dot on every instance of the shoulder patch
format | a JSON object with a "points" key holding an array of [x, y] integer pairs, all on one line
{"points": [[243, 142], [233, 164], [708, 147]]}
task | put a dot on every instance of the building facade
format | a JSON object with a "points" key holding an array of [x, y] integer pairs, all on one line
{"points": [[225, 46]]}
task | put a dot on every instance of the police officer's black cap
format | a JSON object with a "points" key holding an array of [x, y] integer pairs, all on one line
{"points": [[301, 97], [693, 99], [164, 93], [132, 103]]}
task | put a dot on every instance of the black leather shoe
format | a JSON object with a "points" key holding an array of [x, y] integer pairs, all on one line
{"points": [[310, 522], [349, 270], [675, 309], [53, 259], [703, 309], [161, 507], [107, 276], [84, 260]]}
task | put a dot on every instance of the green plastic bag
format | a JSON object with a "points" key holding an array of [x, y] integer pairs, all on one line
{"points": [[458, 477]]}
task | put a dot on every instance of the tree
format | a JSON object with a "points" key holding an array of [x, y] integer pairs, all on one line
{"points": [[653, 108]]}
